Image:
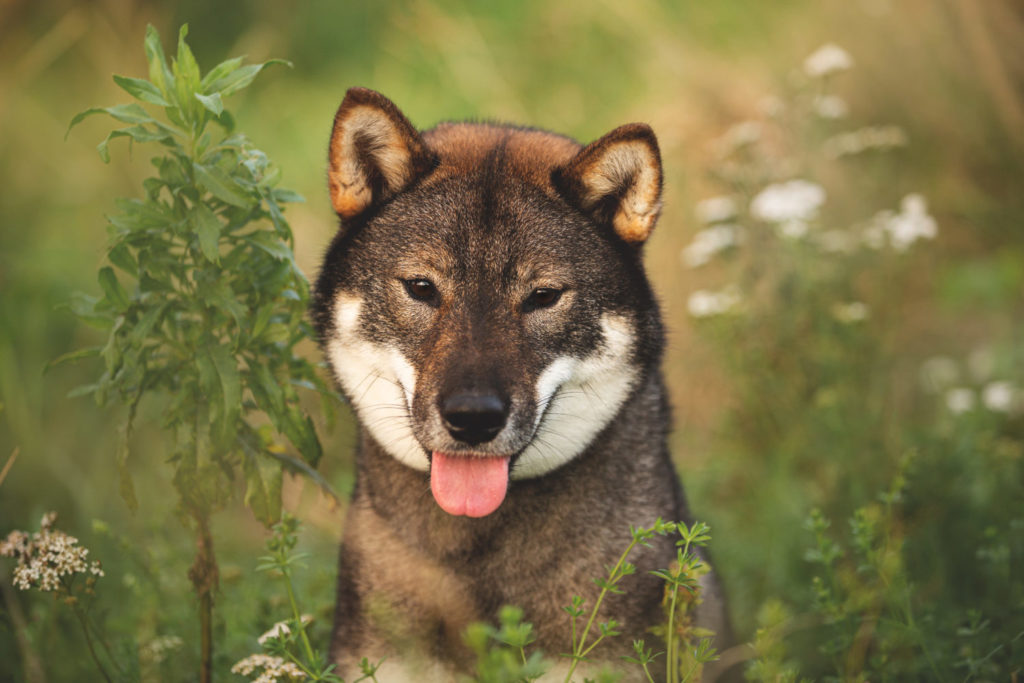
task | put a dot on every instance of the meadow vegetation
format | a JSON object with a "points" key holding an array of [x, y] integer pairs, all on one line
{"points": [[840, 260]]}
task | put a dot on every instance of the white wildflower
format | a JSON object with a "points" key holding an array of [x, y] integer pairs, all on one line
{"points": [[156, 650], [705, 303], [793, 200], [863, 139], [939, 373], [716, 209], [999, 397], [740, 135], [830, 106], [46, 557], [709, 242], [960, 400], [282, 629], [15, 545], [269, 669], [850, 312], [909, 225], [827, 59]]}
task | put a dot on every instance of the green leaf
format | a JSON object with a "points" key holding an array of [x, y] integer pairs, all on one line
{"points": [[230, 384], [241, 77], [82, 390], [270, 244], [221, 186], [263, 477], [267, 392], [87, 352], [259, 322], [300, 431], [136, 133], [141, 90], [186, 73], [145, 324], [289, 196], [212, 102], [126, 113], [159, 74], [84, 308], [301, 467], [207, 227], [115, 294], [220, 71], [121, 256], [222, 298]]}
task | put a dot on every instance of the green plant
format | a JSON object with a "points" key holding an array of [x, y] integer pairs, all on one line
{"points": [[288, 650], [51, 561], [501, 652], [823, 347], [215, 308]]}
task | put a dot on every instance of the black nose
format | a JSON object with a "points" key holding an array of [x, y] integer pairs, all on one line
{"points": [[474, 417]]}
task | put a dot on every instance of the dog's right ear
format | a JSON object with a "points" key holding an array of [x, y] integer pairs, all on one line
{"points": [[375, 153]]}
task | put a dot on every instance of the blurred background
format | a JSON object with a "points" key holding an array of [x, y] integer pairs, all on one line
{"points": [[815, 357]]}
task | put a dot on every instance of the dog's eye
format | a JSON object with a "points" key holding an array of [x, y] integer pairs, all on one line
{"points": [[420, 289], [544, 297]]}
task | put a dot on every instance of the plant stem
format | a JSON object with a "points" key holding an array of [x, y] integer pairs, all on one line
{"points": [[298, 617], [671, 658], [203, 575], [612, 578], [671, 654], [88, 641]]}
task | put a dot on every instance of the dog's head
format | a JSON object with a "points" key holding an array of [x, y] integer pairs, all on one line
{"points": [[483, 306]]}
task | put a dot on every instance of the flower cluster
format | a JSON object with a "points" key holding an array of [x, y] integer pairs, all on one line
{"points": [[964, 390], [46, 557], [705, 303], [826, 60], [268, 669], [773, 200], [282, 629], [911, 223], [156, 650], [789, 205]]}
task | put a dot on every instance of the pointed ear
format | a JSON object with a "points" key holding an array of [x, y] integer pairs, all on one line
{"points": [[617, 181], [374, 154]]}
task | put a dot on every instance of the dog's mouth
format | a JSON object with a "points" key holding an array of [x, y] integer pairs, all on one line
{"points": [[468, 484]]}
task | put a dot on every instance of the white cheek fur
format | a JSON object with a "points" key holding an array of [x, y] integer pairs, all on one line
{"points": [[577, 398], [380, 383]]}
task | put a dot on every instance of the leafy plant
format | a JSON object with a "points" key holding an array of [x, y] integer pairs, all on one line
{"points": [[203, 303], [832, 400], [287, 646]]}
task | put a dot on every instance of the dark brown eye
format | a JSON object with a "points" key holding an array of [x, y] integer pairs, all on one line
{"points": [[420, 289], [543, 297]]}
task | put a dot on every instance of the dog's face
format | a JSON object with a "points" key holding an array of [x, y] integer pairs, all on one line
{"points": [[483, 306]]}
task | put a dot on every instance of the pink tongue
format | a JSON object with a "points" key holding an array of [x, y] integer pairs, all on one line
{"points": [[468, 485]]}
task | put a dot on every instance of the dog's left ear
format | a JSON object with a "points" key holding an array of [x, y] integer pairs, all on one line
{"points": [[617, 181], [375, 153]]}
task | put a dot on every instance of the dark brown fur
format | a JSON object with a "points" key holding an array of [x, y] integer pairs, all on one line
{"points": [[490, 207]]}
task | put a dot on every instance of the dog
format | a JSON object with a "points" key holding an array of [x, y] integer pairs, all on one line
{"points": [[485, 311]]}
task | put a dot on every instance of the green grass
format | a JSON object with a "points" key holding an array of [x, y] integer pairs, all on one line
{"points": [[778, 412]]}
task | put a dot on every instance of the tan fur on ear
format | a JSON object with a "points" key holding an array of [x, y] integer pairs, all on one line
{"points": [[617, 179], [374, 152]]}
